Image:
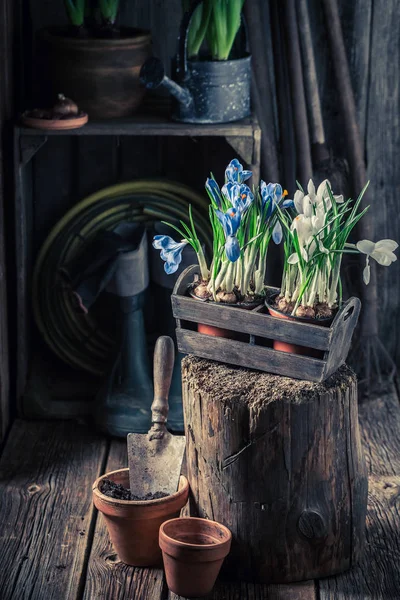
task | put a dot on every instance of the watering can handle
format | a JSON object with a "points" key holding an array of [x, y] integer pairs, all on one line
{"points": [[181, 59], [164, 357]]}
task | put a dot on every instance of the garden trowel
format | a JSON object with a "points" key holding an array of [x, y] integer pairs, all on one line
{"points": [[155, 458]]}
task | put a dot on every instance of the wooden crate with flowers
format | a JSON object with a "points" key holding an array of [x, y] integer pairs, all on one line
{"points": [[290, 417], [226, 312]]}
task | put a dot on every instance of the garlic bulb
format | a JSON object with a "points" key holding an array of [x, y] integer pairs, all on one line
{"points": [[65, 107]]}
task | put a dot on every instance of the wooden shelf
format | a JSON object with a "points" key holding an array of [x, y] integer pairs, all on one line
{"points": [[147, 124], [243, 136]]}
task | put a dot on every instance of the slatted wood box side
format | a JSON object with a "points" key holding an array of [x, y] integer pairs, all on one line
{"points": [[334, 341]]}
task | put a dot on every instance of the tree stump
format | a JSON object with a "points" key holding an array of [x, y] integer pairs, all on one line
{"points": [[278, 461]]}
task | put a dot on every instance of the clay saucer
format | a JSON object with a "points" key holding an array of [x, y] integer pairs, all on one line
{"points": [[54, 124]]}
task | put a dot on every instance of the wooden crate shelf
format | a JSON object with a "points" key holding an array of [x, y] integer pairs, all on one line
{"points": [[260, 327], [153, 124], [244, 137]]}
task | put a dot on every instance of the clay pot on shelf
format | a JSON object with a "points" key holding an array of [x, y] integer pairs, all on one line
{"points": [[193, 551], [295, 348], [133, 525], [101, 74], [211, 329], [219, 331], [216, 331]]}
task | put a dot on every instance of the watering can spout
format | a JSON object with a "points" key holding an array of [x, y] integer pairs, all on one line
{"points": [[152, 75]]}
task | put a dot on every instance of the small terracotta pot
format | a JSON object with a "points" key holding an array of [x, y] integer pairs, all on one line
{"points": [[295, 348], [133, 526], [193, 551], [216, 331]]}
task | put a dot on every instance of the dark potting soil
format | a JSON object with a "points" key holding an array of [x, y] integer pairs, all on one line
{"points": [[119, 492]]}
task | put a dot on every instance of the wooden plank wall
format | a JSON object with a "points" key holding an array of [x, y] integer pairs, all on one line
{"points": [[371, 30], [6, 111], [66, 170]]}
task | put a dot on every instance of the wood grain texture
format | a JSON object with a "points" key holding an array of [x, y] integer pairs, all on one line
{"points": [[23, 264], [382, 138], [299, 110], [377, 577], [107, 577], [261, 84], [253, 591], [46, 474], [151, 125], [263, 325], [6, 110], [243, 354], [29, 513], [94, 164], [280, 463]]}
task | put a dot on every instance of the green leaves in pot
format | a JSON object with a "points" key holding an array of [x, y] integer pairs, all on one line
{"points": [[109, 11], [216, 22], [75, 11], [82, 11]]}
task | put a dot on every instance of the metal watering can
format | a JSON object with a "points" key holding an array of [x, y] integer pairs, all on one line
{"points": [[205, 91]]}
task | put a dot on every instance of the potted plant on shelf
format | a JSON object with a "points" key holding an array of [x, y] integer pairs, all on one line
{"points": [[243, 223], [213, 75], [94, 61], [316, 236]]}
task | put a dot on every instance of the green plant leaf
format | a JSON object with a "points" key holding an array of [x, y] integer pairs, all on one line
{"points": [[75, 11], [109, 10]]}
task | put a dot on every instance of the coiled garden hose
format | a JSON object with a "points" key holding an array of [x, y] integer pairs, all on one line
{"points": [[79, 339]]}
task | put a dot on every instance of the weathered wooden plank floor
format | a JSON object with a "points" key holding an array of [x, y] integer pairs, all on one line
{"points": [[54, 545]]}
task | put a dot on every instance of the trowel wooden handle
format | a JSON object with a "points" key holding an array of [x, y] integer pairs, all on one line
{"points": [[164, 357]]}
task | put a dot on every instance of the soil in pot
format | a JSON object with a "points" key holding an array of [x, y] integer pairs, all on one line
{"points": [[321, 315], [133, 525], [116, 490], [193, 552]]}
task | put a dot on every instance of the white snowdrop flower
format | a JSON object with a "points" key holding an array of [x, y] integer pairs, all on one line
{"points": [[382, 252]]}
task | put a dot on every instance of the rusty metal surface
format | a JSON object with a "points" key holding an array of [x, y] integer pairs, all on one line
{"points": [[155, 458], [154, 464]]}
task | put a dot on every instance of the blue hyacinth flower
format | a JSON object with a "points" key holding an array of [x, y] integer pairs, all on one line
{"points": [[213, 188], [277, 233], [239, 195], [232, 248], [230, 191], [230, 222], [171, 252], [271, 196], [244, 199], [234, 172]]}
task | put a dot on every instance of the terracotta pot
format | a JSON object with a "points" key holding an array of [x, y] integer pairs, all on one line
{"points": [[133, 526], [100, 75], [219, 331], [216, 331], [295, 348], [193, 551]]}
